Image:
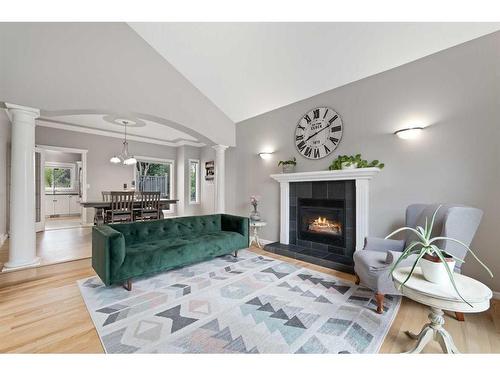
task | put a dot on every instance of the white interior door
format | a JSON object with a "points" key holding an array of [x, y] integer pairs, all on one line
{"points": [[39, 190]]}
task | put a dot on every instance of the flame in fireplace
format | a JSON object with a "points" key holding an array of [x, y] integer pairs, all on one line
{"points": [[323, 225]]}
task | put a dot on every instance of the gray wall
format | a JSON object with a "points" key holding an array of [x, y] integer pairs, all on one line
{"points": [[103, 67], [4, 171], [189, 153], [456, 92], [61, 157], [185, 153], [207, 187]]}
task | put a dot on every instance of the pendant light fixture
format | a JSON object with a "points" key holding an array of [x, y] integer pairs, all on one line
{"points": [[124, 156]]}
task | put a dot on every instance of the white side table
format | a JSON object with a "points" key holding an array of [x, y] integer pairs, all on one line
{"points": [[256, 225], [439, 298]]}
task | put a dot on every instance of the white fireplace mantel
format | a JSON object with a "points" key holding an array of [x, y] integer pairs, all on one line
{"points": [[361, 176]]}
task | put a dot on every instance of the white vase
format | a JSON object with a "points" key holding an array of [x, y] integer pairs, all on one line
{"points": [[435, 272], [349, 165]]}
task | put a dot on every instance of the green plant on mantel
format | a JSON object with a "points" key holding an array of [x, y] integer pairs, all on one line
{"points": [[291, 161], [354, 161]]}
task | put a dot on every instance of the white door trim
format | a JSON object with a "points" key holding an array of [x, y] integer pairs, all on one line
{"points": [[40, 225]]}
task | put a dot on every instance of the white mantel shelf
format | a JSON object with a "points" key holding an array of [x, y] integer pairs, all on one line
{"points": [[345, 174], [361, 176]]}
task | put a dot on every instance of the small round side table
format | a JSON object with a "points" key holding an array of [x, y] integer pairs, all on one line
{"points": [[441, 297], [256, 225]]}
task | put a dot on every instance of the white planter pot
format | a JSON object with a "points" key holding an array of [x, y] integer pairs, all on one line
{"points": [[435, 272], [288, 168], [345, 165]]}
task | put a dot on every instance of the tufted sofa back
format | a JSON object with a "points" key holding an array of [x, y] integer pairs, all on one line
{"points": [[145, 231]]}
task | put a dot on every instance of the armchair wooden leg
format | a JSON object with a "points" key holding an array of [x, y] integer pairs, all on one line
{"points": [[460, 316], [128, 285], [357, 279], [236, 253], [380, 303]]}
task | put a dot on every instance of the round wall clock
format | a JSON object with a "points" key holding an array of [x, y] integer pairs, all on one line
{"points": [[318, 133]]}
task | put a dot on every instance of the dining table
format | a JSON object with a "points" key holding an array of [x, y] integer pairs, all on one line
{"points": [[100, 207]]}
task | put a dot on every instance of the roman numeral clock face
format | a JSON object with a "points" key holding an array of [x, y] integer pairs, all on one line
{"points": [[318, 133]]}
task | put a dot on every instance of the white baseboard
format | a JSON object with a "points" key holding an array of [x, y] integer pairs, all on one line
{"points": [[262, 241], [3, 238], [265, 242]]}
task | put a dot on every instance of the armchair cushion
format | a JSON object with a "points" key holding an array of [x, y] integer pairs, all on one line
{"points": [[373, 271]]}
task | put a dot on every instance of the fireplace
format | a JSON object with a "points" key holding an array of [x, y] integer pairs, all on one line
{"points": [[323, 216], [322, 224], [321, 220]]}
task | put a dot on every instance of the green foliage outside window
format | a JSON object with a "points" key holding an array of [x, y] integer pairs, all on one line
{"points": [[57, 178], [154, 177]]}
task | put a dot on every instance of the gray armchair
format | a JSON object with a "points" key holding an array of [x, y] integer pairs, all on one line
{"points": [[373, 263]]}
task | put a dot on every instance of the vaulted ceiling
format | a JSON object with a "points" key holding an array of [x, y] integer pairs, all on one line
{"points": [[250, 68]]}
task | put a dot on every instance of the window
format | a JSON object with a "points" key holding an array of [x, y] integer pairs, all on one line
{"points": [[59, 177], [194, 181], [155, 176]]}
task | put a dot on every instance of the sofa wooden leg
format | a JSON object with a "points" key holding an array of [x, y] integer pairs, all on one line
{"points": [[380, 302], [357, 279], [236, 254], [460, 316], [128, 285]]}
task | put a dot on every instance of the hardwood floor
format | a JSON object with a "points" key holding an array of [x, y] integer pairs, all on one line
{"points": [[61, 245], [41, 311], [62, 222]]}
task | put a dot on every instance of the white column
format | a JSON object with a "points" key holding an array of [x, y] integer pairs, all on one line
{"points": [[362, 211], [220, 178], [284, 212], [22, 243]]}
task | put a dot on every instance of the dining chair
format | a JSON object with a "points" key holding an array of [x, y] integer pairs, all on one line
{"points": [[150, 206], [106, 196], [122, 204]]}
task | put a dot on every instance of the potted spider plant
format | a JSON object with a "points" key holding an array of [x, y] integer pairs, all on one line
{"points": [[437, 265]]}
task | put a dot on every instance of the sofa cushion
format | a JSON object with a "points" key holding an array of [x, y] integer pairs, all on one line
{"points": [[165, 254]]}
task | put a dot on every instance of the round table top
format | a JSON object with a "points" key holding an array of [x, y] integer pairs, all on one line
{"points": [[444, 295], [259, 223]]}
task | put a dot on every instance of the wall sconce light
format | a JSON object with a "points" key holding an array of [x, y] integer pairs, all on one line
{"points": [[266, 155], [409, 133]]}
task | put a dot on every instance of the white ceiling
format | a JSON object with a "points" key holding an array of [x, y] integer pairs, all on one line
{"points": [[250, 68], [147, 131]]}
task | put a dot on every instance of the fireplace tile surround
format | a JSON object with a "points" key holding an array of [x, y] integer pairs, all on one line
{"points": [[329, 255], [347, 186]]}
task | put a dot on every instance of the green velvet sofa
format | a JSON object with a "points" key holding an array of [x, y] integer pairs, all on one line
{"points": [[121, 252]]}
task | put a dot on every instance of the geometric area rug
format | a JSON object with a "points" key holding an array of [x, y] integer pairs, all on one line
{"points": [[248, 304]]}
